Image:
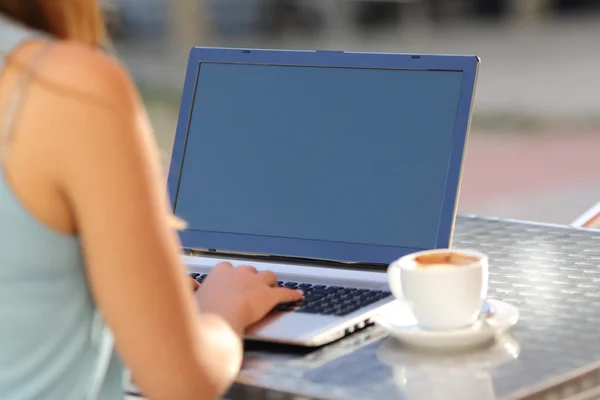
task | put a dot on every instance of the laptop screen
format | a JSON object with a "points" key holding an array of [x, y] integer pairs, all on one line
{"points": [[347, 155]]}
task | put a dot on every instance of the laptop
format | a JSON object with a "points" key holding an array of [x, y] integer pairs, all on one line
{"points": [[322, 166]]}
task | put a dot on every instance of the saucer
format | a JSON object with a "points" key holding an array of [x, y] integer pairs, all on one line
{"points": [[399, 322]]}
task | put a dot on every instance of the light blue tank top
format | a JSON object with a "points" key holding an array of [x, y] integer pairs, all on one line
{"points": [[53, 342]]}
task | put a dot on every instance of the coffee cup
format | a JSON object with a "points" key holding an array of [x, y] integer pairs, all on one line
{"points": [[444, 288]]}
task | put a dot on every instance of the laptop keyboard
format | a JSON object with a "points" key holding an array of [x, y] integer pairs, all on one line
{"points": [[325, 300]]}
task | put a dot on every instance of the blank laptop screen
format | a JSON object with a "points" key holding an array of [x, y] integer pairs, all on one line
{"points": [[328, 154]]}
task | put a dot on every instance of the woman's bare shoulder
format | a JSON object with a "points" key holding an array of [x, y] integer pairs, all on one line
{"points": [[75, 70], [77, 98]]}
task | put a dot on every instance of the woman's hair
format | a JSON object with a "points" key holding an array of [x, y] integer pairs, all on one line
{"points": [[78, 20]]}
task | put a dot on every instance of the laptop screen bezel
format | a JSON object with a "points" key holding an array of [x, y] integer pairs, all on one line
{"points": [[318, 249]]}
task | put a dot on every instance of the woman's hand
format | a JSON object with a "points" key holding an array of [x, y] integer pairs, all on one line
{"points": [[195, 285], [242, 296]]}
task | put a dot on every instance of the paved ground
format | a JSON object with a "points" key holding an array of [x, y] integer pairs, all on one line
{"points": [[551, 177], [551, 173]]}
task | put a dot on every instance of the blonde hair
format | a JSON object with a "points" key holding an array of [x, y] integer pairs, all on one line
{"points": [[78, 20]]}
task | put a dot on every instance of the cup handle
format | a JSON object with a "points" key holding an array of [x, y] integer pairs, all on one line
{"points": [[395, 280]]}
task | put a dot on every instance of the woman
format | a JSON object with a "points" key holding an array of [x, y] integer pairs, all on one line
{"points": [[84, 226]]}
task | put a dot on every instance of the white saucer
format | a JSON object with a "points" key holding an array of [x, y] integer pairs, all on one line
{"points": [[399, 322]]}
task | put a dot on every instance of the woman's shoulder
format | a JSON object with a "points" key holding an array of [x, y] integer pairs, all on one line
{"points": [[80, 107], [73, 69]]}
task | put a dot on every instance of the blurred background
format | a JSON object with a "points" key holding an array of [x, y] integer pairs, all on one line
{"points": [[534, 148]]}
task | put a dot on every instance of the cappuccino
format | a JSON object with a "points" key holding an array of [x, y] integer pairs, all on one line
{"points": [[445, 259]]}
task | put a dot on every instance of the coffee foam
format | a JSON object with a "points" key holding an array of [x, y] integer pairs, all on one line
{"points": [[444, 260]]}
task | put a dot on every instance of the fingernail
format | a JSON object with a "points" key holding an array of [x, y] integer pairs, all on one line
{"points": [[300, 291]]}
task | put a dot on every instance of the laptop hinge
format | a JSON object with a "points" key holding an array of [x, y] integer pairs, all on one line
{"points": [[196, 252], [282, 259]]}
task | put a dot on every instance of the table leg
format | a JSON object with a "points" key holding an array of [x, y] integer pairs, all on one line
{"points": [[528, 11], [338, 18], [188, 23]]}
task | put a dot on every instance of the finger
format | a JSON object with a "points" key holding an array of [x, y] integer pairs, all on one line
{"points": [[223, 265], [268, 277], [247, 269], [285, 295], [195, 284]]}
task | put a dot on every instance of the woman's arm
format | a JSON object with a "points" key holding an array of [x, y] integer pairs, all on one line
{"points": [[105, 162]]}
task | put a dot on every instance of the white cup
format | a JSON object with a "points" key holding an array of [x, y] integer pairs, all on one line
{"points": [[441, 295]]}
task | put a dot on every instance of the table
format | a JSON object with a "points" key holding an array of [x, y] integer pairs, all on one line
{"points": [[552, 273]]}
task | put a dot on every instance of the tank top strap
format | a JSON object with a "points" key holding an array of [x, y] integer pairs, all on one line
{"points": [[16, 101], [13, 35]]}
